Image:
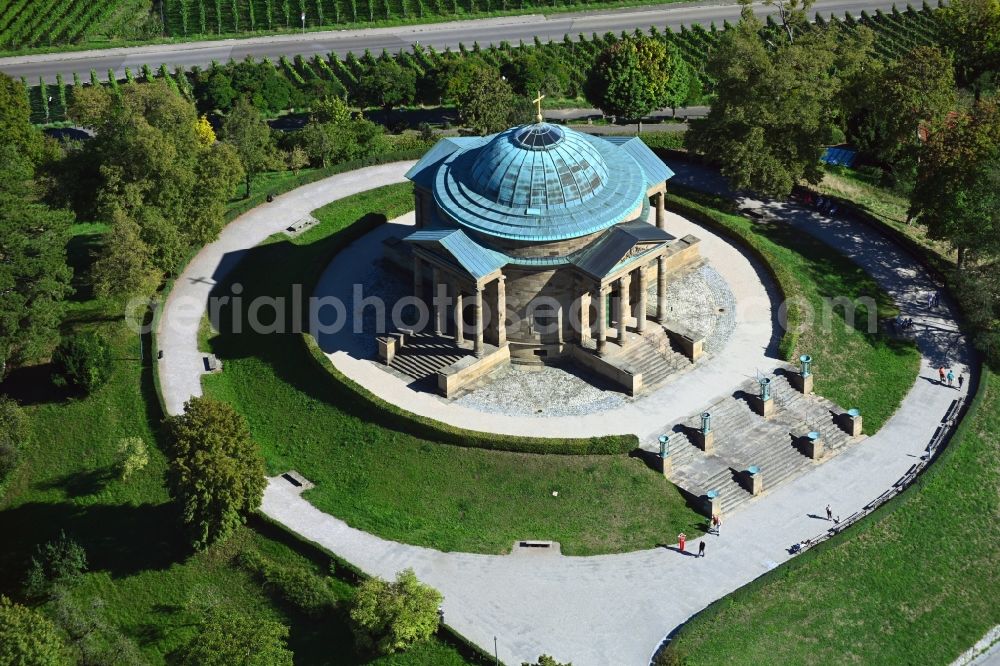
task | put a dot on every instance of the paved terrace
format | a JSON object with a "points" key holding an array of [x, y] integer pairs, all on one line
{"points": [[612, 608]]}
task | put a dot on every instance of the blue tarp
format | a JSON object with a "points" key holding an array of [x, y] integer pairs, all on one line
{"points": [[839, 156]]}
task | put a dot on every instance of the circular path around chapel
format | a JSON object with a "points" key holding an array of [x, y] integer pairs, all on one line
{"points": [[610, 608]]}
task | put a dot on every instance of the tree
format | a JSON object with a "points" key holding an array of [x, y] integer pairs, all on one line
{"points": [[125, 266], [296, 159], [34, 276], [148, 162], [970, 29], [957, 192], [83, 361], [57, 561], [393, 616], [679, 80], [485, 103], [387, 84], [228, 638], [629, 78], [133, 456], [546, 660], [774, 110], [245, 130], [14, 434], [206, 135], [28, 637], [216, 473], [914, 91]]}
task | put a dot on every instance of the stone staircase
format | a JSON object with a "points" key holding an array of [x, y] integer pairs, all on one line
{"points": [[425, 353], [743, 438], [655, 357]]}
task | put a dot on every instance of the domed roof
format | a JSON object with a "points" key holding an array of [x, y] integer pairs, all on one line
{"points": [[539, 182], [538, 165]]}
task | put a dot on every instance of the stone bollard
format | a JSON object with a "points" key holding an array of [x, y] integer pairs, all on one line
{"points": [[666, 464], [803, 379], [753, 480], [813, 445], [712, 504], [850, 422], [763, 403], [705, 438]]}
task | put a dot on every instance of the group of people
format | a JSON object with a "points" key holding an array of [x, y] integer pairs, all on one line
{"points": [[713, 528], [949, 378], [901, 323], [822, 204]]}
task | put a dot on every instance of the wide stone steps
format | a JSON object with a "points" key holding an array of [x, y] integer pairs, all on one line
{"points": [[424, 355], [743, 438]]}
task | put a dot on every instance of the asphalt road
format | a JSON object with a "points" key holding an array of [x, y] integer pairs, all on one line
{"points": [[439, 35]]}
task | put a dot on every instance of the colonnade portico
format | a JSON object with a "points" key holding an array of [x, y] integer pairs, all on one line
{"points": [[449, 282], [626, 309]]}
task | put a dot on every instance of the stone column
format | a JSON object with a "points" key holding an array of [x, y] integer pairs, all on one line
{"points": [[661, 289], [459, 322], [418, 276], [584, 317], [477, 309], [602, 318], [501, 313], [624, 306], [661, 218], [438, 305], [640, 310]]}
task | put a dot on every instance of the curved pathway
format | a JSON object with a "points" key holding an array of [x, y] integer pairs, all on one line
{"points": [[182, 365], [613, 608]]}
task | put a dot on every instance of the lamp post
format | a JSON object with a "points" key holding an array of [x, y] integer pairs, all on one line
{"points": [[806, 361], [664, 446], [303, 17], [706, 423], [765, 388]]}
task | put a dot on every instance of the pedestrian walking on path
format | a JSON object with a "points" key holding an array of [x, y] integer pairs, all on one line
{"points": [[941, 374], [951, 377], [829, 512], [716, 523], [961, 381], [930, 299], [681, 540], [701, 549]]}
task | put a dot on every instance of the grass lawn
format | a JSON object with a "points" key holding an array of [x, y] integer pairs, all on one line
{"points": [[917, 583], [853, 368], [401, 487], [143, 583]]}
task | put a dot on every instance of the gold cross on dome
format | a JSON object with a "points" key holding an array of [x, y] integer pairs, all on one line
{"points": [[538, 102]]}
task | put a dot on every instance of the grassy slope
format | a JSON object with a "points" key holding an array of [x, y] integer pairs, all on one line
{"points": [[886, 205], [917, 584], [139, 566], [408, 489], [853, 368]]}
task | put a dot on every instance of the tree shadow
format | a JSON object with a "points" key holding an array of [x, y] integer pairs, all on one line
{"points": [[120, 539]]}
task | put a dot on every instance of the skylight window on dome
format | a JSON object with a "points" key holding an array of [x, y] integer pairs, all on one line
{"points": [[539, 136]]}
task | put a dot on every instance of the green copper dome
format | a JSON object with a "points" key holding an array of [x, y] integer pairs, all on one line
{"points": [[539, 182]]}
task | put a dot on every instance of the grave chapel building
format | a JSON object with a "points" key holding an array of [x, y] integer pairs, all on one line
{"points": [[548, 226]]}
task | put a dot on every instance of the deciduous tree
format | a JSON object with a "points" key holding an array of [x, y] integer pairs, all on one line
{"points": [[630, 78], [775, 109], [957, 192], [228, 638], [28, 637], [216, 473], [246, 131], [485, 102], [393, 616], [913, 92], [386, 84], [970, 29], [14, 433]]}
